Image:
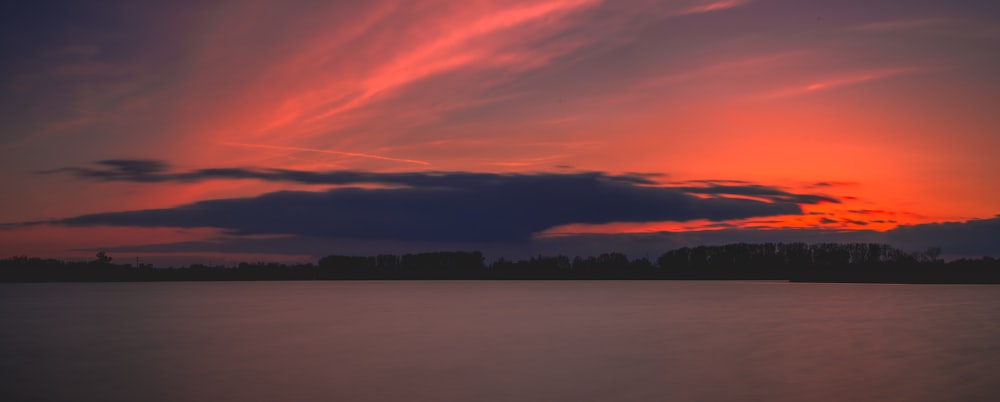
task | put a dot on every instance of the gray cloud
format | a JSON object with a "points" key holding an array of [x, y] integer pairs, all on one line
{"points": [[492, 208], [977, 237], [460, 207], [154, 171], [758, 191]]}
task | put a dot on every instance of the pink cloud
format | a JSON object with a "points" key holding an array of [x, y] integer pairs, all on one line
{"points": [[710, 6], [844, 80], [901, 25], [492, 38], [327, 151], [726, 67]]}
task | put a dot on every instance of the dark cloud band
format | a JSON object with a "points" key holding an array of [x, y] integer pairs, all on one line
{"points": [[435, 206]]}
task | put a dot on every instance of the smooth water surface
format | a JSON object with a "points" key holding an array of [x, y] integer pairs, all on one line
{"points": [[499, 341]]}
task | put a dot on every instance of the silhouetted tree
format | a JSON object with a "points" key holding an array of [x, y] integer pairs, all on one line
{"points": [[103, 258], [845, 262]]}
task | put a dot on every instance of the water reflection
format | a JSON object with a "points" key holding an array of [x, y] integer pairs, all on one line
{"points": [[499, 341]]}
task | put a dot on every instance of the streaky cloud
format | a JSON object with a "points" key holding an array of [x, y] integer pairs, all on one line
{"points": [[710, 6], [758, 191], [327, 151], [834, 82], [900, 25], [154, 171]]}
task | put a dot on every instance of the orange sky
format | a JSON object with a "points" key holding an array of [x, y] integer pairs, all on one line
{"points": [[891, 104]]}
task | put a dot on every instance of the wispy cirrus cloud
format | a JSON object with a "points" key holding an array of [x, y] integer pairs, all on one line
{"points": [[843, 80], [712, 5], [327, 151], [474, 44], [741, 65], [967, 26], [318, 93], [901, 25]]}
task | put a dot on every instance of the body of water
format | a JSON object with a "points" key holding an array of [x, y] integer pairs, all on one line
{"points": [[499, 341]]}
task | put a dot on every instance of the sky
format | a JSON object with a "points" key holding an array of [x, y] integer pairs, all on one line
{"points": [[289, 130]]}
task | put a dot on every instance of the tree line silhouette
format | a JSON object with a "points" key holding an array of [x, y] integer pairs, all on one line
{"points": [[826, 262]]}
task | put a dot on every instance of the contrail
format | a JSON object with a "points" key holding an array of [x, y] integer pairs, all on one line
{"points": [[326, 151]]}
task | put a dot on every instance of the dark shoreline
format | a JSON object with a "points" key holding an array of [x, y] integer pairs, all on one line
{"points": [[794, 262]]}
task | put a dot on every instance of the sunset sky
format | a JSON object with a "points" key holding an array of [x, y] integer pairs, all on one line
{"points": [[289, 130]]}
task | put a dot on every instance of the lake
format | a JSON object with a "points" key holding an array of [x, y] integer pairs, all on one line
{"points": [[499, 341]]}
